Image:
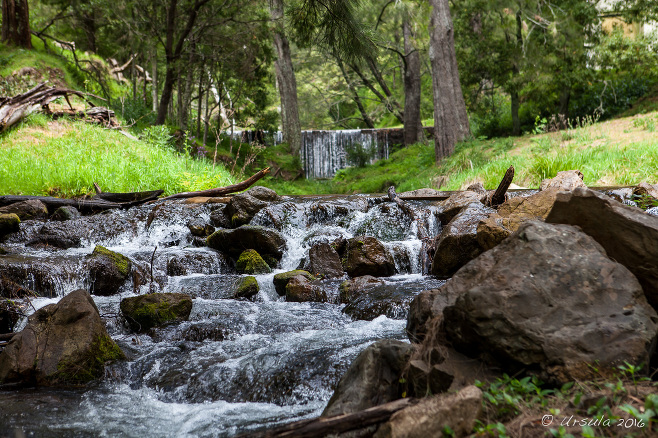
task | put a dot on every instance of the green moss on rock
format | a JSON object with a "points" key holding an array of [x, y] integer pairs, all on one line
{"points": [[153, 310], [281, 280], [250, 262], [247, 288], [92, 365], [122, 262], [9, 223]]}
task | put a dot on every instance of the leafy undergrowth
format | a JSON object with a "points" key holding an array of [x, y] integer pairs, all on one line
{"points": [[623, 407], [65, 158]]}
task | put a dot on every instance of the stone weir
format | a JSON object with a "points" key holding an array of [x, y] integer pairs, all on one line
{"points": [[325, 152]]}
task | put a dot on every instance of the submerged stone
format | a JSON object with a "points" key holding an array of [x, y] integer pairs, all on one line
{"points": [[247, 288], [154, 310]]}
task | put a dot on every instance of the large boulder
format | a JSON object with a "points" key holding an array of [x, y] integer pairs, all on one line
{"points": [[368, 297], [32, 209], [628, 235], [62, 343], [242, 207], [548, 299], [300, 290], [232, 242], [250, 262], [452, 206], [429, 417], [281, 280], [62, 235], [368, 256], [565, 180], [458, 243], [108, 271], [372, 379], [324, 261], [65, 213], [9, 223], [353, 288], [144, 312]]}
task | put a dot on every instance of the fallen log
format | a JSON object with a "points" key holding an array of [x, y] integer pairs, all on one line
{"points": [[13, 109], [220, 191], [54, 203], [133, 198], [321, 426]]}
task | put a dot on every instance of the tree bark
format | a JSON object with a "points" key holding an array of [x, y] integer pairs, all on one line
{"points": [[16, 23], [154, 81], [450, 118], [514, 93], [285, 77], [413, 126]]}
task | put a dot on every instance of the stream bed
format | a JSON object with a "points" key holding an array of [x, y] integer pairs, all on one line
{"points": [[236, 365]]}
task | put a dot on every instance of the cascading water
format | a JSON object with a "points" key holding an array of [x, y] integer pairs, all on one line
{"points": [[236, 365]]}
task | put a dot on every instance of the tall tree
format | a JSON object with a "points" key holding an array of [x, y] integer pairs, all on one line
{"points": [[413, 127], [450, 118], [16, 23], [286, 81]]}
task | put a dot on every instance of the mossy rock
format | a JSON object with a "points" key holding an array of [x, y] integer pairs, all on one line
{"points": [[122, 262], [247, 288], [9, 223], [108, 271], [250, 262], [92, 365], [154, 310], [281, 280]]}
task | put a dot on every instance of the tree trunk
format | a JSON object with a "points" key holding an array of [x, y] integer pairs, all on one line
{"points": [[413, 126], [565, 97], [154, 80], [355, 95], [516, 122], [16, 23], [88, 24], [285, 77], [450, 118], [514, 94]]}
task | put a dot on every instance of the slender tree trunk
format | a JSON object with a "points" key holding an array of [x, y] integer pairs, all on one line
{"points": [[285, 77], [450, 118], [88, 22], [565, 97], [516, 122], [514, 94], [355, 95], [413, 126], [200, 102], [16, 23], [154, 80]]}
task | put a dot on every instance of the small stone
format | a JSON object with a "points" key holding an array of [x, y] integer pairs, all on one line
{"points": [[9, 223], [281, 280], [250, 262], [247, 288]]}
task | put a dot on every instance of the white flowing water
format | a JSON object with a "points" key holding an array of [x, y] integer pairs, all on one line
{"points": [[235, 366]]}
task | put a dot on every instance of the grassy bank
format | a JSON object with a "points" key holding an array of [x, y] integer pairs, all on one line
{"points": [[65, 158]]}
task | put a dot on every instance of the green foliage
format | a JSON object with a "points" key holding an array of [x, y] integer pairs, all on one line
{"points": [[157, 135], [358, 155]]}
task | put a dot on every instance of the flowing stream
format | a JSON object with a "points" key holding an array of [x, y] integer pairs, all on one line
{"points": [[236, 365]]}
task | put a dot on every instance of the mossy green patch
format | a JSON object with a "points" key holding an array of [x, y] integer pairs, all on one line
{"points": [[247, 287], [91, 365], [281, 280], [153, 310], [9, 223], [122, 262], [250, 262]]}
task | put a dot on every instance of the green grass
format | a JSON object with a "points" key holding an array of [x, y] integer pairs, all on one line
{"points": [[35, 159]]}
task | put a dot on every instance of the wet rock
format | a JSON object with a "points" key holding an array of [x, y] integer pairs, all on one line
{"points": [[477, 187], [301, 290], [65, 213], [368, 256], [250, 262], [431, 415], [232, 242], [645, 195], [32, 209], [10, 289], [62, 235], [355, 287], [424, 307], [336, 211], [281, 280], [566, 180], [242, 207], [451, 207], [247, 288], [10, 313], [372, 379], [458, 243], [9, 223], [198, 227], [154, 310], [426, 192], [188, 263], [548, 299], [385, 221], [218, 218], [491, 231], [39, 276], [108, 271], [628, 234], [324, 261], [387, 299], [62, 343], [402, 257]]}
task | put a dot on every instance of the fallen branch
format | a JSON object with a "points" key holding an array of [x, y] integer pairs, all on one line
{"points": [[222, 190], [498, 196], [322, 426]]}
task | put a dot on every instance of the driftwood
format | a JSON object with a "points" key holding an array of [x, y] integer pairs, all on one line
{"points": [[125, 198], [99, 114], [498, 197], [318, 427], [13, 109], [220, 191]]}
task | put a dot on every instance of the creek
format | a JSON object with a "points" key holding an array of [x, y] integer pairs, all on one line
{"points": [[236, 365]]}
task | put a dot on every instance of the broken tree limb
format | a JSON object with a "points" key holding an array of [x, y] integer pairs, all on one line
{"points": [[322, 426], [223, 190], [498, 196], [13, 109]]}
